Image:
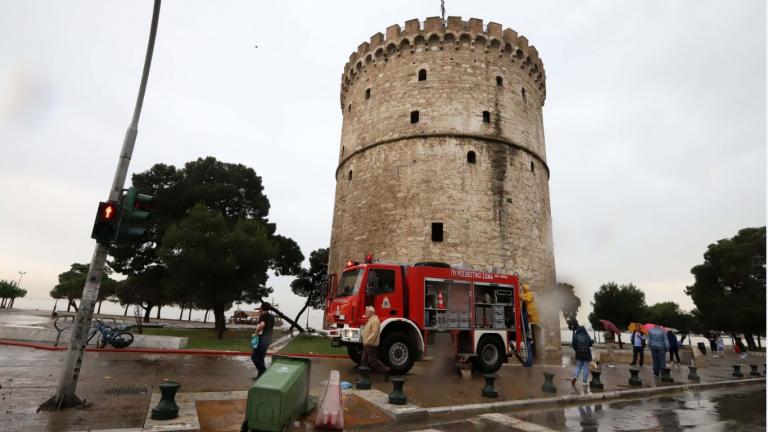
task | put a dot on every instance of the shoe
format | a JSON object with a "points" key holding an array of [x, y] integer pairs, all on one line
{"points": [[611, 366], [584, 383], [573, 381], [632, 364]]}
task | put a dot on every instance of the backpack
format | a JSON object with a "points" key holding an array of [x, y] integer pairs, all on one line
{"points": [[582, 347]]}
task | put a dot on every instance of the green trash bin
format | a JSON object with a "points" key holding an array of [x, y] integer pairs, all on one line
{"points": [[279, 396]]}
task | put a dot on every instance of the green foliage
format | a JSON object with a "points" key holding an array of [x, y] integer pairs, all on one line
{"points": [[9, 290], [619, 304], [305, 344], [729, 287], [72, 282], [569, 304], [311, 282], [217, 263], [669, 314]]}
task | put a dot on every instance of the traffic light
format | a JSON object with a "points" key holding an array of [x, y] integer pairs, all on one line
{"points": [[105, 226], [131, 213]]}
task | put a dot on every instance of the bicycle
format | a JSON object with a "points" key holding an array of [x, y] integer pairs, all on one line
{"points": [[115, 336]]}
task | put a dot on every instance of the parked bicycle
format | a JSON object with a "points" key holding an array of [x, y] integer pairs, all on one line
{"points": [[116, 336]]}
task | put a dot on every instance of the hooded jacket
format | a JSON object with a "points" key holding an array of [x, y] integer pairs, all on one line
{"points": [[581, 343], [657, 339]]}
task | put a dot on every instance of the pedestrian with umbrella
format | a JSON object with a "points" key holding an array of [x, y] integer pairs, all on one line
{"points": [[637, 339], [611, 330], [659, 344]]}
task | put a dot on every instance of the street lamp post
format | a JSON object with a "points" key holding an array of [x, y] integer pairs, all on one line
{"points": [[21, 274], [65, 392]]}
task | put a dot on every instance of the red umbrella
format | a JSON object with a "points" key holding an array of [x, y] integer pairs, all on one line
{"points": [[610, 326], [649, 326]]}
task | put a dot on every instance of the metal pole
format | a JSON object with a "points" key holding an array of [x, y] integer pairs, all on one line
{"points": [[65, 393], [21, 274]]}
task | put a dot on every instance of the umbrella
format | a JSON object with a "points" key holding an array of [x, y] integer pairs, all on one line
{"points": [[610, 326], [637, 327], [649, 326]]}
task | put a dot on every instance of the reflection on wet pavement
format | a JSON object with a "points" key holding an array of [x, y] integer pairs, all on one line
{"points": [[736, 409]]}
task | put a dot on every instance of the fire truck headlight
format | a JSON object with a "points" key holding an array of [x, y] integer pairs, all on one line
{"points": [[351, 334]]}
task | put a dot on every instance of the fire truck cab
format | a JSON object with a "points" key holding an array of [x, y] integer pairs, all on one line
{"points": [[478, 313]]}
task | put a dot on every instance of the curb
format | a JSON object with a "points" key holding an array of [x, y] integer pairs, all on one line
{"points": [[163, 351], [413, 412]]}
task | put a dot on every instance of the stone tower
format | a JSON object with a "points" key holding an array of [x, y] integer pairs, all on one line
{"points": [[442, 156]]}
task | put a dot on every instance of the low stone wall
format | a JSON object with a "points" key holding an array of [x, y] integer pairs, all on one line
{"points": [[39, 334], [624, 356]]}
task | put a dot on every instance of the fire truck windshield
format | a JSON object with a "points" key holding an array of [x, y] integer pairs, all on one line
{"points": [[349, 283]]}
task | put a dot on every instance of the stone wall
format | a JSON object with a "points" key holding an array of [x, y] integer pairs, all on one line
{"points": [[396, 178]]}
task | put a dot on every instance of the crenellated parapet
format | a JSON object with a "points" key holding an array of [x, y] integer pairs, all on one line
{"points": [[452, 34]]}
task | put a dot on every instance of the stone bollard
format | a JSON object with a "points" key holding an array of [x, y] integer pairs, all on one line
{"points": [[737, 371], [692, 376], [595, 383], [363, 383], [489, 391], [167, 409], [397, 397], [634, 378], [549, 385], [753, 371], [665, 376]]}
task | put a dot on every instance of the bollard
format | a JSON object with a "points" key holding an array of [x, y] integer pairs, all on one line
{"points": [[167, 409], [753, 371], [737, 371], [548, 385], [489, 391], [665, 376], [692, 376], [397, 397], [634, 379], [595, 383], [363, 383]]}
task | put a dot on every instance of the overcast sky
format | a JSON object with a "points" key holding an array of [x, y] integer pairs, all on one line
{"points": [[654, 120]]}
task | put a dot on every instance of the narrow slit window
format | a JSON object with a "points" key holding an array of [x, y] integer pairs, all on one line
{"points": [[437, 231], [414, 117], [486, 116], [533, 168], [342, 150], [349, 176], [471, 157], [499, 81], [522, 92], [422, 75], [367, 93], [349, 108]]}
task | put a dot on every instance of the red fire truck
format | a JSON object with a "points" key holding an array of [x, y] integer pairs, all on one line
{"points": [[420, 302]]}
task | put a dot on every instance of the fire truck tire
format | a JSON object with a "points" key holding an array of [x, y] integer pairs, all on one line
{"points": [[355, 352], [398, 352], [490, 355]]}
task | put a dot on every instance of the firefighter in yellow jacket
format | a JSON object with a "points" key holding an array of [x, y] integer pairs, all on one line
{"points": [[371, 335]]}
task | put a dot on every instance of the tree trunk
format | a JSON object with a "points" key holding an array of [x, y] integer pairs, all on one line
{"points": [[2, 303], [621, 344], [218, 315], [125, 313], [189, 315], [759, 345], [158, 310], [69, 304], [181, 314], [205, 319], [750, 341], [306, 305], [13, 299], [147, 311], [99, 310], [290, 321]]}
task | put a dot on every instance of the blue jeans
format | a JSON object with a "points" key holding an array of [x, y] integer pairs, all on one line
{"points": [[581, 365], [258, 354], [658, 355]]}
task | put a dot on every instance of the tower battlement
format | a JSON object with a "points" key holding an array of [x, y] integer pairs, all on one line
{"points": [[452, 34]]}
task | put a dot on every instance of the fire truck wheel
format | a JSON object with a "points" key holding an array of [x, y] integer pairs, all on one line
{"points": [[397, 352], [355, 352], [490, 355]]}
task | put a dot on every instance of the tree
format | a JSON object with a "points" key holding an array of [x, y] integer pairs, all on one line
{"points": [[232, 190], [144, 289], [9, 292], [669, 314], [311, 282], [569, 304], [72, 281], [729, 287], [217, 263], [619, 304]]}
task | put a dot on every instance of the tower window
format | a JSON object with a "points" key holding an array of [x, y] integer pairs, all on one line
{"points": [[367, 93], [414, 117], [422, 75], [471, 158], [437, 231], [349, 176], [486, 116], [349, 108], [532, 167], [342, 150], [499, 81], [522, 92]]}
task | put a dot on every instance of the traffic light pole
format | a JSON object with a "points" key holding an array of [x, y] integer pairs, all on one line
{"points": [[65, 393]]}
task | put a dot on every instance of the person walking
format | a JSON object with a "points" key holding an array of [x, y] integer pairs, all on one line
{"points": [[638, 347], [659, 345], [581, 344], [673, 347], [371, 336], [720, 346], [713, 344], [740, 348], [264, 327], [610, 337]]}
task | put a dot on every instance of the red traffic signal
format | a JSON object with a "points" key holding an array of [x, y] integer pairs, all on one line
{"points": [[107, 211], [106, 224]]}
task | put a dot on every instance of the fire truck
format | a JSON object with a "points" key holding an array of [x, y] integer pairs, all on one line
{"points": [[424, 302]]}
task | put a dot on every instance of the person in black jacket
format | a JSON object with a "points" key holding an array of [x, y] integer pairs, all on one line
{"points": [[582, 344], [673, 348]]}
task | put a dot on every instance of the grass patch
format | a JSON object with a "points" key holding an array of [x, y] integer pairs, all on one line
{"points": [[304, 344], [234, 340]]}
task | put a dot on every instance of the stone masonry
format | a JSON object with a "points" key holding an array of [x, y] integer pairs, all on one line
{"points": [[473, 159]]}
